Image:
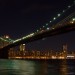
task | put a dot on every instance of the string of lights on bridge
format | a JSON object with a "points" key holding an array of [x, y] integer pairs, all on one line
{"points": [[46, 25], [55, 18], [6, 39]]}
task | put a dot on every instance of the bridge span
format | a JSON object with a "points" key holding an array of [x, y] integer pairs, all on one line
{"points": [[47, 33]]}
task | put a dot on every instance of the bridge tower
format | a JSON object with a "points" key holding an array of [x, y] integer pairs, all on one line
{"points": [[4, 42]]}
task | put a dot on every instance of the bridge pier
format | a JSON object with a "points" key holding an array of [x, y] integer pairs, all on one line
{"points": [[3, 54]]}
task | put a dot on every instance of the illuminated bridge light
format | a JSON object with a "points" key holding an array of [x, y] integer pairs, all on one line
{"points": [[27, 36], [59, 15], [31, 34], [37, 30], [7, 39], [54, 18], [17, 40], [69, 6], [63, 10], [14, 41], [73, 19], [24, 37], [50, 21], [46, 24]]}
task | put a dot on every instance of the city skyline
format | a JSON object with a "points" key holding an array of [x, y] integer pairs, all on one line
{"points": [[19, 19]]}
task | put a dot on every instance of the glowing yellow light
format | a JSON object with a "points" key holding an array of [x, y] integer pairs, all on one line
{"points": [[53, 57], [6, 36], [70, 56], [61, 57], [24, 44]]}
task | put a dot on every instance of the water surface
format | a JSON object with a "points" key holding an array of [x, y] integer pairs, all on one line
{"points": [[37, 67]]}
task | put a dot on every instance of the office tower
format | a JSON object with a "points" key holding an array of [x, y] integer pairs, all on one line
{"points": [[22, 47], [65, 50]]}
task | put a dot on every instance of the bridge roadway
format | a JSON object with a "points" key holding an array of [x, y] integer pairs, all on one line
{"points": [[39, 35]]}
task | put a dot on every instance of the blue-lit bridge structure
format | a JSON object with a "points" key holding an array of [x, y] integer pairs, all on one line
{"points": [[62, 23]]}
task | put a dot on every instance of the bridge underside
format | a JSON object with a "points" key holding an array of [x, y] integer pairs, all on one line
{"points": [[4, 54]]}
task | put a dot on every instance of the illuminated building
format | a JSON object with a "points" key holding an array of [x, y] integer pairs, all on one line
{"points": [[65, 51], [22, 47]]}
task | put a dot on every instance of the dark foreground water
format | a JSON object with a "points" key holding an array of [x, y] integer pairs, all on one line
{"points": [[37, 67]]}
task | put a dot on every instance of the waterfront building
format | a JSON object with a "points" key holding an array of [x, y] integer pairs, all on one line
{"points": [[22, 47], [65, 51]]}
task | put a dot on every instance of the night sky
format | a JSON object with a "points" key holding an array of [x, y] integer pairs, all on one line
{"points": [[21, 17]]}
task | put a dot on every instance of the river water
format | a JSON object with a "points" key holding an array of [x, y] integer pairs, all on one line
{"points": [[37, 67]]}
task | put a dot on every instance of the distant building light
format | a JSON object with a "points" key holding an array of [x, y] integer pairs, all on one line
{"points": [[53, 57], [70, 56], [61, 57], [72, 22], [23, 44]]}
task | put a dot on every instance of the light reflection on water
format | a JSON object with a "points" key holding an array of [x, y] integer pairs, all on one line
{"points": [[37, 67]]}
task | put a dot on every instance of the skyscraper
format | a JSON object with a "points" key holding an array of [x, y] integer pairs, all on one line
{"points": [[22, 47], [65, 50]]}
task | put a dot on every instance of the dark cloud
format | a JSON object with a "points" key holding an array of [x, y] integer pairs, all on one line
{"points": [[37, 7]]}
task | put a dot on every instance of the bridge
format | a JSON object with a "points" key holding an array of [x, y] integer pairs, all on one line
{"points": [[62, 24]]}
